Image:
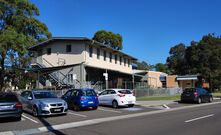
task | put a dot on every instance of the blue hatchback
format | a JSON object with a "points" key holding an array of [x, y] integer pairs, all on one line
{"points": [[81, 98]]}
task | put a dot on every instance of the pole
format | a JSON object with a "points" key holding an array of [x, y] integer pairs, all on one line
{"points": [[106, 79]]}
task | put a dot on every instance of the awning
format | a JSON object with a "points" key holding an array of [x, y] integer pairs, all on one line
{"points": [[186, 78]]}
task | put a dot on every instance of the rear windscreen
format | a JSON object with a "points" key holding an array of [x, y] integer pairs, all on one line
{"points": [[8, 98], [88, 93], [125, 91], [189, 90]]}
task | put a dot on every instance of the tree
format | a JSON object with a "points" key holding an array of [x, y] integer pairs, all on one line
{"points": [[18, 30], [109, 38], [143, 66], [176, 60], [162, 68]]}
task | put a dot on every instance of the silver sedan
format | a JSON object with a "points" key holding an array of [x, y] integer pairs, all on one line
{"points": [[43, 102]]}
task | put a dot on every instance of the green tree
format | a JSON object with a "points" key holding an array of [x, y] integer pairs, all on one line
{"points": [[162, 68], [176, 60], [19, 29], [109, 38], [143, 66]]}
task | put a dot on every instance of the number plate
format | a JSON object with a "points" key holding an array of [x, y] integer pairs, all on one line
{"points": [[5, 107], [91, 102], [57, 110]]}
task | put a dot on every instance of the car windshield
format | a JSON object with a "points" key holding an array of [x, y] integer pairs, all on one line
{"points": [[189, 90], [88, 93], [40, 95], [125, 91], [8, 98]]}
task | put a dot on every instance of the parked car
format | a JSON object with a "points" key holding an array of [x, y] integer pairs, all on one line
{"points": [[198, 95], [43, 102], [10, 106], [117, 97], [81, 98]]}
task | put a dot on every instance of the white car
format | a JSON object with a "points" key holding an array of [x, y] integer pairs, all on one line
{"points": [[117, 97]]}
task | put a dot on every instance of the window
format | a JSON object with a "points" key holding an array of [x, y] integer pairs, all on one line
{"points": [[128, 63], [68, 48], [120, 60], [70, 78], [125, 61], [90, 51], [116, 59], [110, 57], [48, 51], [98, 53], [105, 55]]}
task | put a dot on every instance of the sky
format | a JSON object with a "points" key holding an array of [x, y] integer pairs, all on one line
{"points": [[149, 27]]}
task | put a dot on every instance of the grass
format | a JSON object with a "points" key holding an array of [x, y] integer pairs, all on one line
{"points": [[154, 98], [176, 97], [218, 94]]}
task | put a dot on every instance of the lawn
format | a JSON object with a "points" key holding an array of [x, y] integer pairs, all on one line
{"points": [[176, 97], [153, 98]]}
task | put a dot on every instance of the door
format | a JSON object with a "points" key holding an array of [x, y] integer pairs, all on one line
{"points": [[110, 96], [67, 97], [103, 97]]}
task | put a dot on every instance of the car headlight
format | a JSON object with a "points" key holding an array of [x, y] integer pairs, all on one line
{"points": [[65, 104], [43, 105]]}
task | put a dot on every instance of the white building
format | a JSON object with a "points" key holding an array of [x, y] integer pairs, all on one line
{"points": [[63, 61]]}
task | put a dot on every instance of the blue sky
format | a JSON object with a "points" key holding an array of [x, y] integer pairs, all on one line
{"points": [[149, 27]]}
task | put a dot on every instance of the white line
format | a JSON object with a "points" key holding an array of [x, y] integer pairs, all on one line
{"points": [[165, 106], [96, 121], [107, 110], [29, 118], [199, 118], [77, 114], [22, 119]]}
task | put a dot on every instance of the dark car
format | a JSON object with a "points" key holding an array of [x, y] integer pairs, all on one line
{"points": [[198, 95], [81, 98], [10, 106]]}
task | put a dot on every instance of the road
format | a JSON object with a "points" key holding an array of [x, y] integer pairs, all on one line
{"points": [[204, 120], [179, 119]]}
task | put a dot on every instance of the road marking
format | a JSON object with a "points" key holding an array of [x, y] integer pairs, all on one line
{"points": [[77, 114], [95, 121], [203, 117], [165, 106], [107, 110], [29, 118], [22, 119]]}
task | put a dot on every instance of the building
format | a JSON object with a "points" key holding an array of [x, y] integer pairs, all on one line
{"points": [[78, 62]]}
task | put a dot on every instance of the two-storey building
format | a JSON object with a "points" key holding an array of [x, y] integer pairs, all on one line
{"points": [[78, 61]]}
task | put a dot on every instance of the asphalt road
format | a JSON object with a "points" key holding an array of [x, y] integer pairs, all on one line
{"points": [[204, 120]]}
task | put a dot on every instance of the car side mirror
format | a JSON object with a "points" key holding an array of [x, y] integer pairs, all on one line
{"points": [[29, 98]]}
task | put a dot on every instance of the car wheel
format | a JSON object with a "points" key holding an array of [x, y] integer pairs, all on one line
{"points": [[114, 104], [94, 108], [35, 111], [77, 108], [210, 99], [131, 105], [18, 118], [199, 101]]}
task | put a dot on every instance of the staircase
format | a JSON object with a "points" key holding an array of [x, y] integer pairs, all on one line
{"points": [[53, 77]]}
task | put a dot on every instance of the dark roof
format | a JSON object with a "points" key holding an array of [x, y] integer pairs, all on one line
{"points": [[34, 47]]}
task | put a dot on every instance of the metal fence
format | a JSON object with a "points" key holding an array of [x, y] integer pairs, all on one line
{"points": [[141, 92]]}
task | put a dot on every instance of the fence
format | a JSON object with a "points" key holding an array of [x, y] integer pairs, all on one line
{"points": [[140, 92]]}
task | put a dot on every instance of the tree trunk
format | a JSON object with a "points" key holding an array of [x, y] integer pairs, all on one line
{"points": [[2, 71]]}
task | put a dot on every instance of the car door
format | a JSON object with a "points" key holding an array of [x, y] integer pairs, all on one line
{"points": [[110, 96], [24, 100], [102, 97], [30, 100], [74, 98], [67, 97]]}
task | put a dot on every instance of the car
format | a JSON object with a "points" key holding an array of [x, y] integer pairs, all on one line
{"points": [[10, 106], [43, 103], [197, 95], [117, 97], [81, 98]]}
